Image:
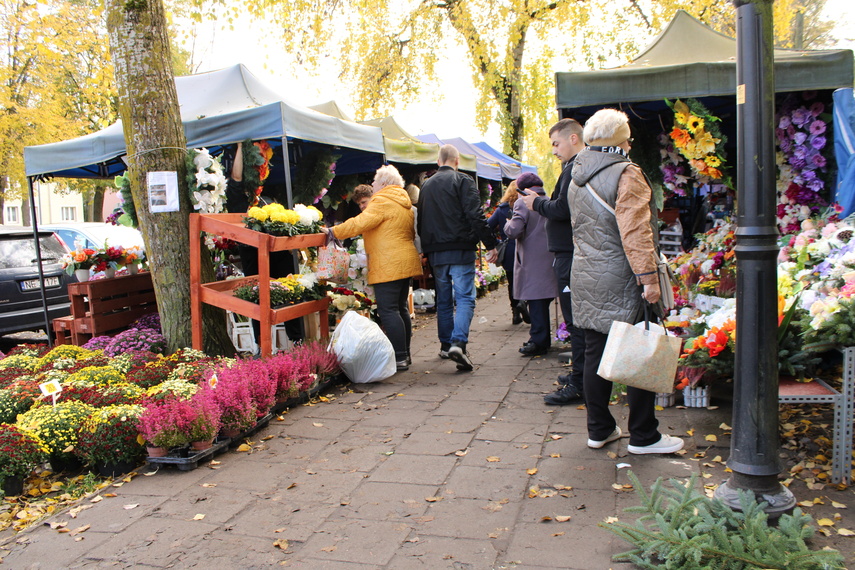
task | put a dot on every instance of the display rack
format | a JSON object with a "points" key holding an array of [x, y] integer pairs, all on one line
{"points": [[221, 293]]}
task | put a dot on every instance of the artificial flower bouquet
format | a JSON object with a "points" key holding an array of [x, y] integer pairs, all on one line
{"points": [[344, 299], [697, 137], [710, 268], [206, 181], [277, 220], [81, 258]]}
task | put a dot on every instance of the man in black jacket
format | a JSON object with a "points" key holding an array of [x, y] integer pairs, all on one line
{"points": [[451, 222], [566, 138]]}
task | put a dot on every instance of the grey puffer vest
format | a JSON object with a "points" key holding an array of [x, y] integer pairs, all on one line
{"points": [[602, 282]]}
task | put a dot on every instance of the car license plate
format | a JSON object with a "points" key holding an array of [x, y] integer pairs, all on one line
{"points": [[32, 284]]}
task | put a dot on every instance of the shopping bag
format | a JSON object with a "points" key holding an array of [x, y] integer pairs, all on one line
{"points": [[333, 261], [365, 354], [643, 356]]}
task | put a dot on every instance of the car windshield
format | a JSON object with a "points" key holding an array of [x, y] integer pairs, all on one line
{"points": [[20, 251]]}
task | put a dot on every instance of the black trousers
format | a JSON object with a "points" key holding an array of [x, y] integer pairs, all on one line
{"points": [[538, 332], [562, 266], [643, 425], [395, 314]]}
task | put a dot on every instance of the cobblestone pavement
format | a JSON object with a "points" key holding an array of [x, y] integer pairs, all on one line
{"points": [[431, 468]]}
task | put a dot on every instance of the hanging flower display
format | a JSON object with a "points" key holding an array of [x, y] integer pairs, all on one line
{"points": [[801, 132], [205, 181], [675, 169], [256, 160], [698, 139]]}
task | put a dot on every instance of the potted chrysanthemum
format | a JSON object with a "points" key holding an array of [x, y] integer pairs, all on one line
{"points": [[108, 440], [57, 426], [20, 452]]}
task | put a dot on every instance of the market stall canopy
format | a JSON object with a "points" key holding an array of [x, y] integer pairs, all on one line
{"points": [[688, 59], [487, 167], [403, 147], [217, 108], [505, 158]]}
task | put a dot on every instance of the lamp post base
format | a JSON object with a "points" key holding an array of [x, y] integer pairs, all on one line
{"points": [[779, 500]]}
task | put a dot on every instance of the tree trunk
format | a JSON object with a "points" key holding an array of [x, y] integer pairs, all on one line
{"points": [[93, 204], [148, 108]]}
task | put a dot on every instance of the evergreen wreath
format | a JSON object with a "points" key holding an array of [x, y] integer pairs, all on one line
{"points": [[256, 163], [129, 211], [314, 174]]}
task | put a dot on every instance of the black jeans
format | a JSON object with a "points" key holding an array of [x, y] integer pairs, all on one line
{"points": [[562, 266], [643, 425], [395, 314]]}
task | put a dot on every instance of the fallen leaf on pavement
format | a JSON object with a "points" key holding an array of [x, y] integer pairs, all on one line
{"points": [[328, 549], [131, 506], [79, 529], [559, 533], [611, 520], [825, 522], [711, 437], [209, 485], [837, 505], [433, 499], [199, 517], [244, 447], [493, 459], [845, 532], [317, 424], [562, 518], [97, 499], [281, 543], [531, 471]]}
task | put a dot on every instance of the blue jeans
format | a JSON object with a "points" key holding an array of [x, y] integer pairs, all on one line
{"points": [[455, 301]]}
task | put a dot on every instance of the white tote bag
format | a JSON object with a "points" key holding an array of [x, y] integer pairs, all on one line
{"points": [[642, 356]]}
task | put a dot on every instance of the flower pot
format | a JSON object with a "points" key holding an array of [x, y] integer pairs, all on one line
{"points": [[201, 445], [115, 469], [156, 451], [13, 485], [698, 397], [230, 433], [82, 275], [109, 272], [133, 268], [492, 286], [65, 462], [666, 399]]}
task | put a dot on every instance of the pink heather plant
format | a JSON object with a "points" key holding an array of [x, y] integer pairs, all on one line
{"points": [[166, 423], [283, 370], [233, 396], [261, 385], [205, 423]]}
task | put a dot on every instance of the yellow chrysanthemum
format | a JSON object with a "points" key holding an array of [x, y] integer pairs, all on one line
{"points": [[257, 213]]}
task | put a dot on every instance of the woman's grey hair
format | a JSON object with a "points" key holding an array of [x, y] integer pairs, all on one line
{"points": [[388, 176]]}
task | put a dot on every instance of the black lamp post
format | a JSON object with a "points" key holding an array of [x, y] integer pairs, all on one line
{"points": [[754, 445]]}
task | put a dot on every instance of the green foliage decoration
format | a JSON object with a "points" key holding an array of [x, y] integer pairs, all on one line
{"points": [[314, 173], [680, 528]]}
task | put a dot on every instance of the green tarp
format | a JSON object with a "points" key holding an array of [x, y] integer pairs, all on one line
{"points": [[688, 59]]}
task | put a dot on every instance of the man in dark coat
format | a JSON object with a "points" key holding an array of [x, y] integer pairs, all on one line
{"points": [[451, 222], [566, 138]]}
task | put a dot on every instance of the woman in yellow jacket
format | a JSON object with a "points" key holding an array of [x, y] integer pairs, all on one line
{"points": [[387, 227]]}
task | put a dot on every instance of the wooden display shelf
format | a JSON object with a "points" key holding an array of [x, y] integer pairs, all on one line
{"points": [[221, 293]]}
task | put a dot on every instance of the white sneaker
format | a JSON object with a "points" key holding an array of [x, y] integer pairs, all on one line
{"points": [[458, 355], [594, 444], [668, 444]]}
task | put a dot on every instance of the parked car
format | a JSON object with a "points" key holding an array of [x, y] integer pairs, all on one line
{"points": [[21, 306], [95, 234]]}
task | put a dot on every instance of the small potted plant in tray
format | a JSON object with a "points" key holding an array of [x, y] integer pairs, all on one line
{"points": [[108, 440], [205, 422], [20, 452], [164, 425]]}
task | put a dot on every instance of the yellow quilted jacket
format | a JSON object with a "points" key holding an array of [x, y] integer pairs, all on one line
{"points": [[386, 225]]}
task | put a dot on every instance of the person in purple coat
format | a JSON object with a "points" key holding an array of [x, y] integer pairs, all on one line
{"points": [[534, 280]]}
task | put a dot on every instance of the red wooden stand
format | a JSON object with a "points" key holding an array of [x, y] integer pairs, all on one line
{"points": [[221, 293]]}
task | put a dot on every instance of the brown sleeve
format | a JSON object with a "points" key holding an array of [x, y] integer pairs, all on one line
{"points": [[632, 210]]}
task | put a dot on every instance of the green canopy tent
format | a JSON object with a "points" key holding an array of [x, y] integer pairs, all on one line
{"points": [[688, 59]]}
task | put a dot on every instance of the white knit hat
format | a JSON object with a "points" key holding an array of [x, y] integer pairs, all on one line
{"points": [[606, 127]]}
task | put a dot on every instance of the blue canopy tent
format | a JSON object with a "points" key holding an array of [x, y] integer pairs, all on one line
{"points": [[486, 167], [844, 149], [219, 108], [505, 158]]}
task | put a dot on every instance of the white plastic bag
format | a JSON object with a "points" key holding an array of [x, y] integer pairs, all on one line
{"points": [[364, 352]]}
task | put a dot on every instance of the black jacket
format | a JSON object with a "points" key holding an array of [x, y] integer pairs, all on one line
{"points": [[559, 232], [450, 213]]}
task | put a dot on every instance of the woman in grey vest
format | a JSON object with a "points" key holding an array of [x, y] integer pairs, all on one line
{"points": [[614, 271]]}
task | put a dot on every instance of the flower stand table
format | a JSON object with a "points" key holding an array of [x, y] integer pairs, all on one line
{"points": [[221, 293]]}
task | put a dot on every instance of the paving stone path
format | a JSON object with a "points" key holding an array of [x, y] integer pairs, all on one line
{"points": [[431, 468]]}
